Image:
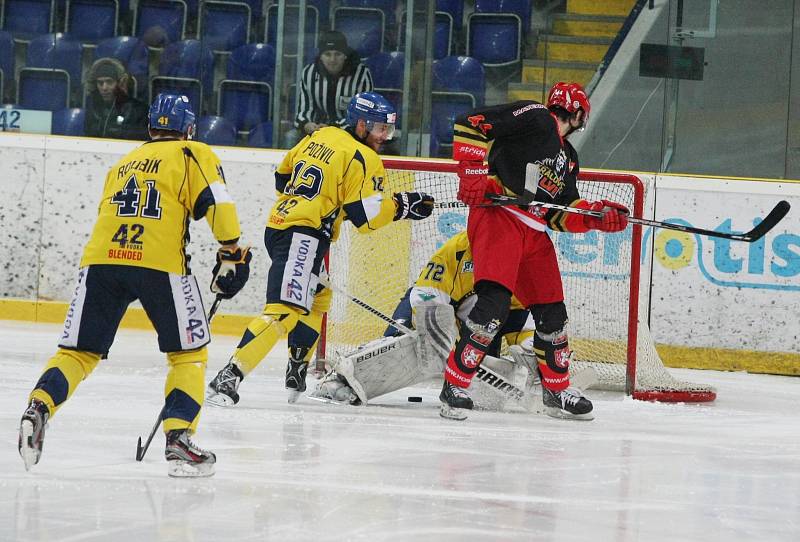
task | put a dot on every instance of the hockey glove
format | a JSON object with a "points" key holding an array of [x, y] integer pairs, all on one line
{"points": [[231, 271], [413, 205], [473, 182], [615, 216]]}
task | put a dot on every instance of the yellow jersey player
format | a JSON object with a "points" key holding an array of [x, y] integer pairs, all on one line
{"points": [[137, 250], [332, 175]]}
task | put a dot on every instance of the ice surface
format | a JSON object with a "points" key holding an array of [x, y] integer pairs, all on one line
{"points": [[395, 470]]}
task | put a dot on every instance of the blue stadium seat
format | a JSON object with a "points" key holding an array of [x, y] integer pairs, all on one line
{"points": [[215, 130], [458, 86], [7, 61], [56, 51], [364, 28], [159, 22], [245, 95], [224, 26], [69, 121], [245, 103], [291, 28], [252, 62], [26, 19], [388, 7], [43, 89], [187, 67], [521, 8], [133, 54], [260, 136], [90, 21], [387, 75], [494, 38], [456, 10], [442, 37]]}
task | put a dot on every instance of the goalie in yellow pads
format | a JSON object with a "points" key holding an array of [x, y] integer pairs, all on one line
{"points": [[332, 175]]}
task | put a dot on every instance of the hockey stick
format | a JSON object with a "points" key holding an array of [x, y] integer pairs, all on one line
{"points": [[141, 450], [769, 222], [484, 373]]}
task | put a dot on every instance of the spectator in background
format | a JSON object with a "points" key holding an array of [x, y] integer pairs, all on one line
{"points": [[327, 85], [110, 110]]}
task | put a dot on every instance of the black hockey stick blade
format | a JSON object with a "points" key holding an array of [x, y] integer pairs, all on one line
{"points": [[141, 450], [770, 221]]}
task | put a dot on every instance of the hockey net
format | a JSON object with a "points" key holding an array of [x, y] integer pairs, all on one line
{"points": [[600, 274]]}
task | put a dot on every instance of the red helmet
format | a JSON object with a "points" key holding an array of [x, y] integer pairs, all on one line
{"points": [[571, 97]]}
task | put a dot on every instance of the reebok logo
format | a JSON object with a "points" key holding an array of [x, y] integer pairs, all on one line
{"points": [[476, 171]]}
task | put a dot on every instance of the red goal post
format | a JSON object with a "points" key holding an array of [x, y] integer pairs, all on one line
{"points": [[601, 275]]}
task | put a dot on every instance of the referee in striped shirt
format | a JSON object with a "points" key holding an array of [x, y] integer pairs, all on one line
{"points": [[328, 83]]}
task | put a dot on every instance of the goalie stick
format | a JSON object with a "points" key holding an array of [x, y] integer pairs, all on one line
{"points": [[141, 450], [485, 373], [770, 221]]}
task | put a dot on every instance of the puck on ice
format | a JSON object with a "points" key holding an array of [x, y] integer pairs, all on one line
{"points": [[414, 399]]}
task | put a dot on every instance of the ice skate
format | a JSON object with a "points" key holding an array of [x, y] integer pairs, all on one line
{"points": [[222, 391], [185, 459], [569, 404], [31, 432], [455, 402], [296, 378]]}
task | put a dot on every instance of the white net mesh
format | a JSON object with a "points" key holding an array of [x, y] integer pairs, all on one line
{"points": [[597, 269]]}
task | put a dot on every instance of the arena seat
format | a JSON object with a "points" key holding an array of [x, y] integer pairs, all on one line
{"points": [[26, 19], [224, 26], [69, 121], [521, 8], [215, 130], [186, 67], [291, 28], [364, 28], [159, 22], [57, 51], [494, 38], [90, 21], [260, 136], [43, 89]]}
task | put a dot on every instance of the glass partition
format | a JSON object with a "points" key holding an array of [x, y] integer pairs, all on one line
{"points": [[263, 73]]}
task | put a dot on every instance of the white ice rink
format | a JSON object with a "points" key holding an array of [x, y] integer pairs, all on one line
{"points": [[727, 471]]}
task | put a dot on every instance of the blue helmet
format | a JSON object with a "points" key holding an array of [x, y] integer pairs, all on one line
{"points": [[172, 112], [372, 107]]}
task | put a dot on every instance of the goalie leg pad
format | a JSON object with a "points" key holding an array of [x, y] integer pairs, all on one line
{"points": [[501, 385], [381, 366], [436, 325]]}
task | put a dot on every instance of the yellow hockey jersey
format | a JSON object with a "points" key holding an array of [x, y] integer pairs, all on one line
{"points": [[149, 197], [448, 276], [328, 177]]}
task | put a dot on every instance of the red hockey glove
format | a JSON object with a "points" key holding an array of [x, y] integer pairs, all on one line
{"points": [[615, 216], [473, 182]]}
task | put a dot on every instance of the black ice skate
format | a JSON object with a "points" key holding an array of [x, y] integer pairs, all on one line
{"points": [[455, 402], [185, 459], [222, 391], [296, 378], [31, 432], [569, 403]]}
